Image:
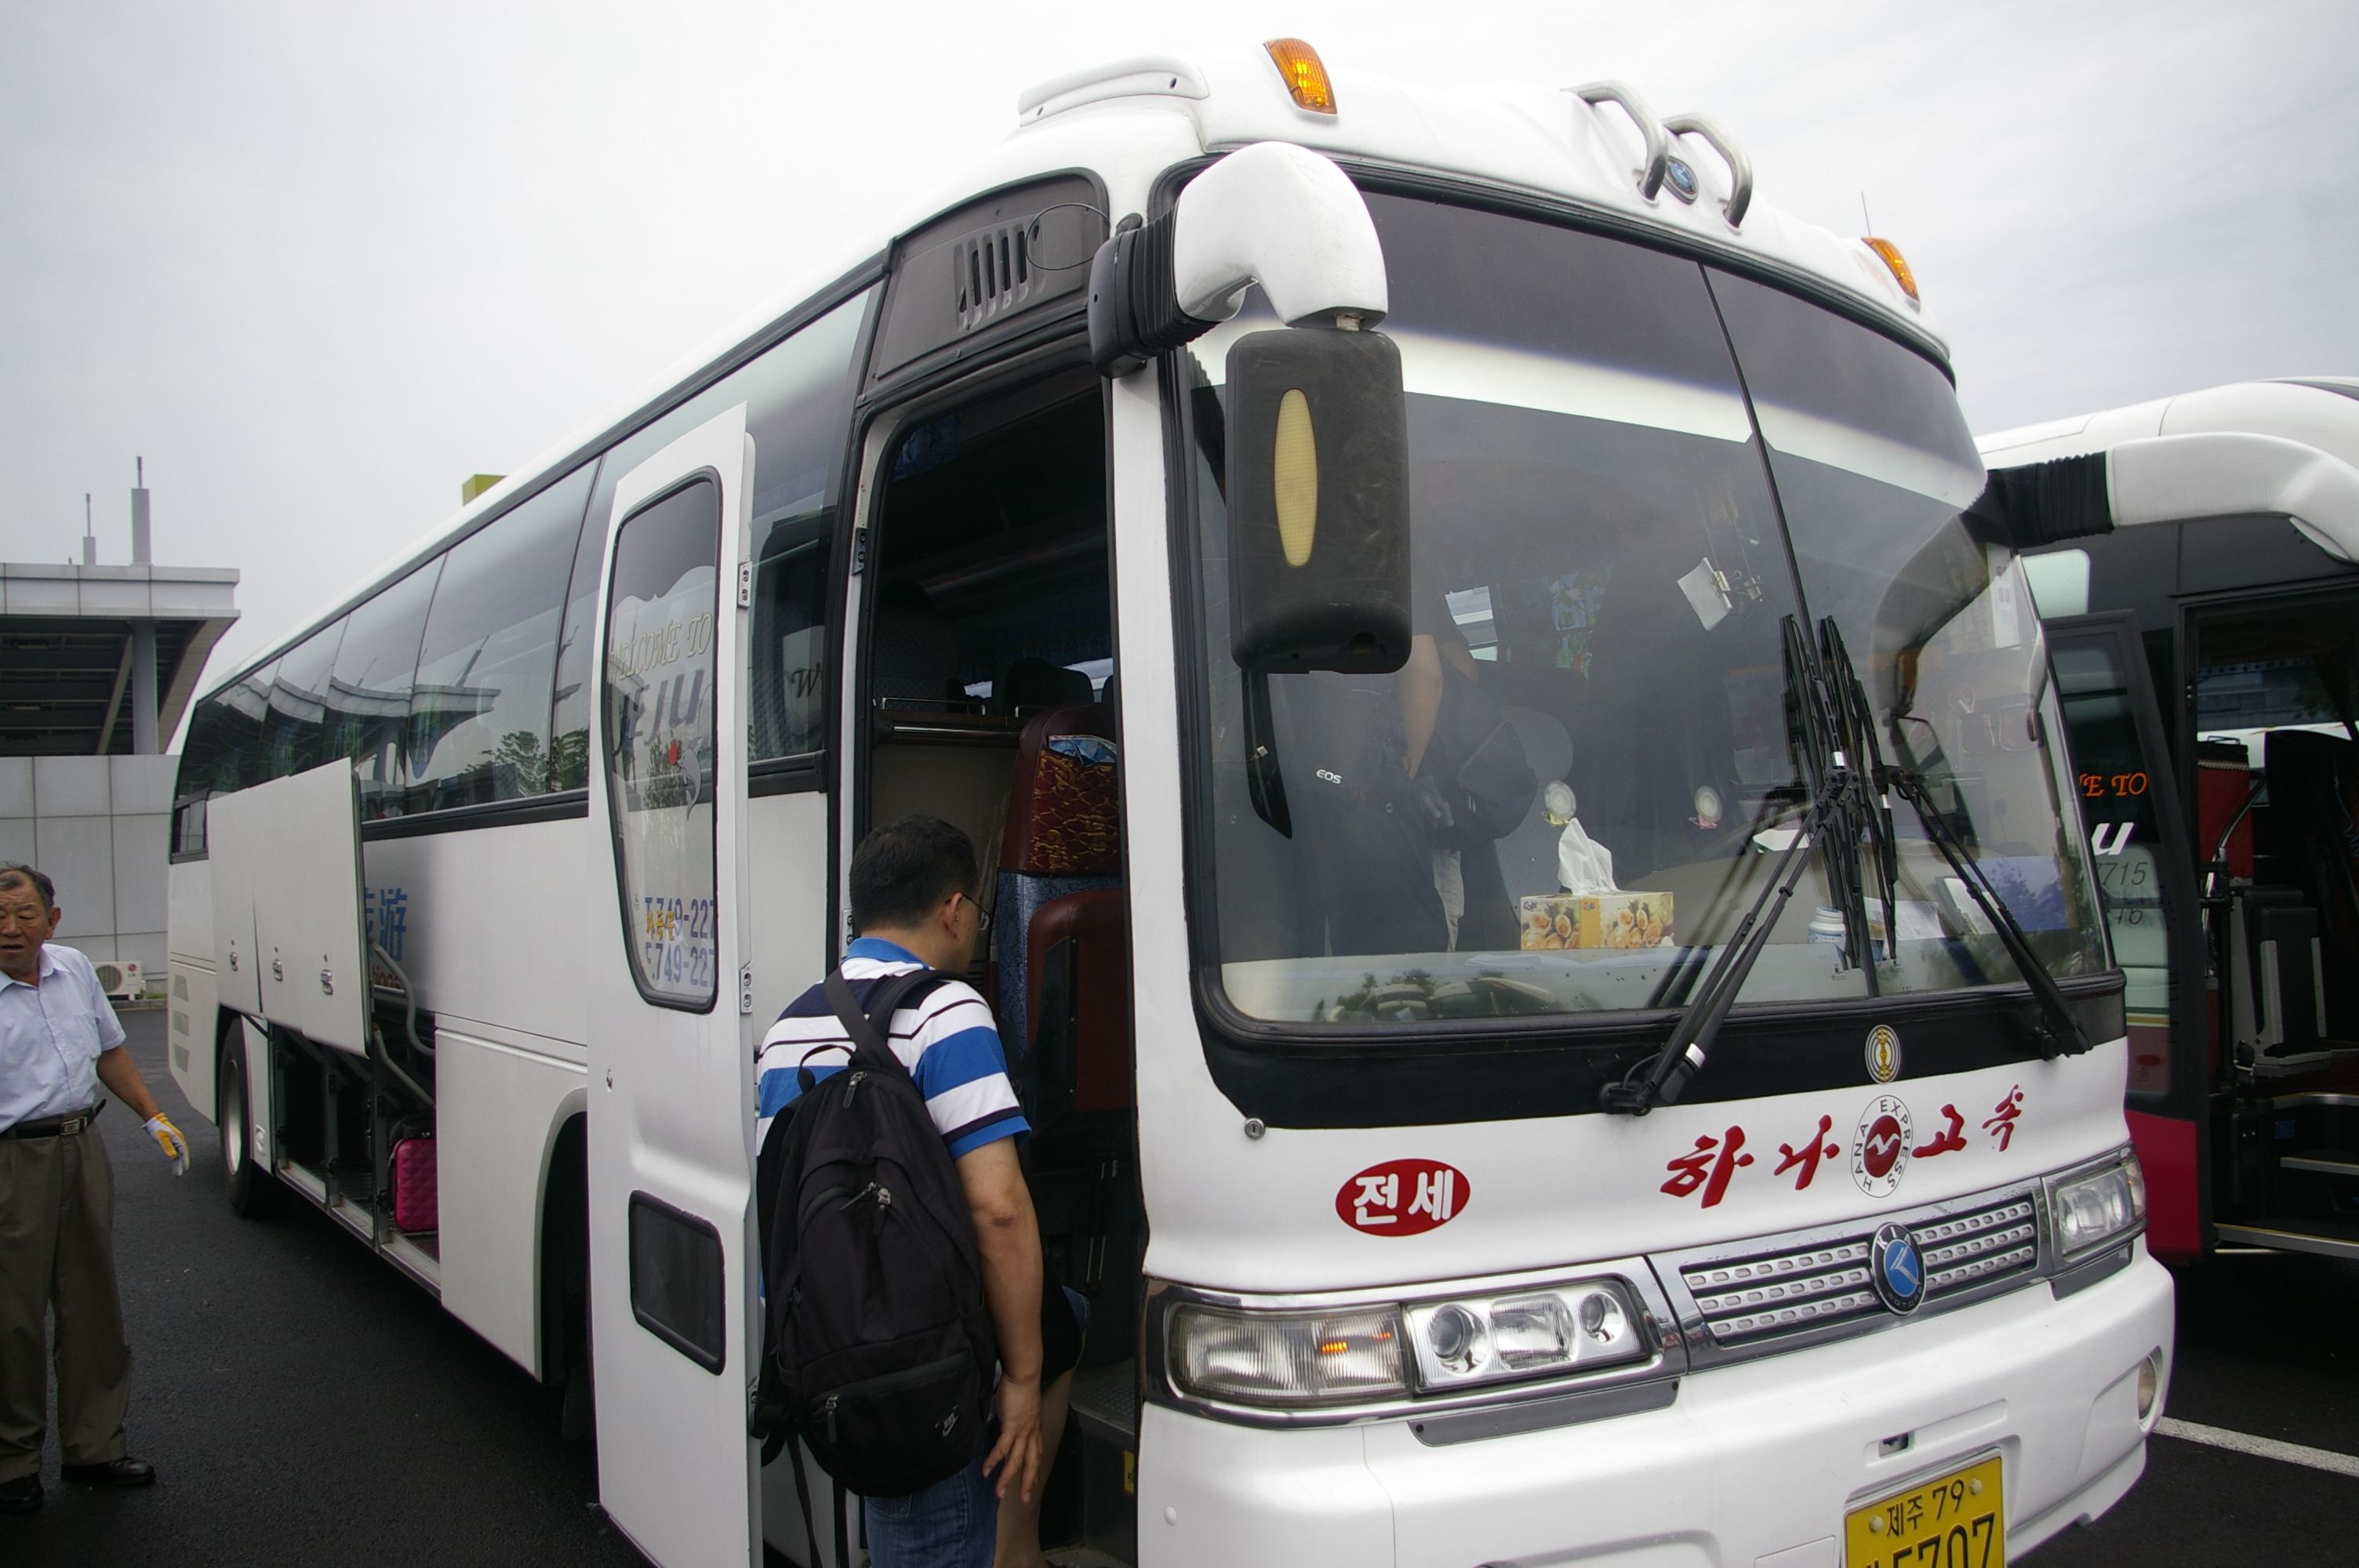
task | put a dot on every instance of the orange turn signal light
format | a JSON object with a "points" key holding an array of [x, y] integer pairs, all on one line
{"points": [[1305, 74], [1896, 261]]}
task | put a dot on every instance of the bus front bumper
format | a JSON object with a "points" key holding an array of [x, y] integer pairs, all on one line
{"points": [[1755, 1464]]}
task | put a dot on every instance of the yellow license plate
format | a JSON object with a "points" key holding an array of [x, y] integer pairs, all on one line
{"points": [[1957, 1521]]}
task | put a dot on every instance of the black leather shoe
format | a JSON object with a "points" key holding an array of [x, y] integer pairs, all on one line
{"points": [[122, 1472], [21, 1495]]}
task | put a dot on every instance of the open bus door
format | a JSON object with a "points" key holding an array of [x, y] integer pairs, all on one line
{"points": [[672, 1299], [2146, 882]]}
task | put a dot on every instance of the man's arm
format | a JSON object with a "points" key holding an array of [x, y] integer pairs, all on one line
{"points": [[1007, 1236], [1421, 699], [120, 1074]]}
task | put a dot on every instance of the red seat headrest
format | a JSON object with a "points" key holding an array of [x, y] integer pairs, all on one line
{"points": [[1063, 815]]}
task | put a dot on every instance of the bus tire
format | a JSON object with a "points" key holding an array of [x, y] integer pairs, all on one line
{"points": [[251, 1188], [565, 1282]]}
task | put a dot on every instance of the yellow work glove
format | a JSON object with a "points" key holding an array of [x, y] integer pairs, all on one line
{"points": [[170, 1138]]}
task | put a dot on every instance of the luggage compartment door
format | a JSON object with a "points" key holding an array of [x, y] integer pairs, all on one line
{"points": [[286, 905], [672, 1286]]}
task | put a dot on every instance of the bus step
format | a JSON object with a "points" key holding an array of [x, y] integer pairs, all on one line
{"points": [[1105, 1404], [2286, 1238], [1105, 1410], [2339, 1163]]}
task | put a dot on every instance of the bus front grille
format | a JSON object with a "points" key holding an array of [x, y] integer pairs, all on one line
{"points": [[1821, 1282]]}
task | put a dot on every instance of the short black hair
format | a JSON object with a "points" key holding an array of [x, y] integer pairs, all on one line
{"points": [[12, 873], [904, 868]]}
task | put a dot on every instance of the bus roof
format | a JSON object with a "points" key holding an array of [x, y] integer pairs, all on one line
{"points": [[1131, 122], [2320, 411], [2285, 448]]}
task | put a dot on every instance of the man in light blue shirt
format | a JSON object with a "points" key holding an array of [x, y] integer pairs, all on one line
{"points": [[59, 1041]]}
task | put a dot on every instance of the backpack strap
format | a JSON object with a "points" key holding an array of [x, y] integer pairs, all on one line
{"points": [[767, 1161], [867, 1034], [802, 1488]]}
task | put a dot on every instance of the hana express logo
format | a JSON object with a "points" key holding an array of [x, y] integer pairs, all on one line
{"points": [[1879, 1148]]}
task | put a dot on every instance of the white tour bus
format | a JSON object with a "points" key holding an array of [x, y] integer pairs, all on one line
{"points": [[1534, 1052]]}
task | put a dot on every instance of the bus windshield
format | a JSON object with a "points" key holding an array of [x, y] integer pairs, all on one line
{"points": [[1629, 473]]}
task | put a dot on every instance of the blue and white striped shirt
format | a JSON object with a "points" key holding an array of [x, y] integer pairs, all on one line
{"points": [[946, 1039]]}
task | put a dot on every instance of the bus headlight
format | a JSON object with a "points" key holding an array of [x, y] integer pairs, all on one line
{"points": [[2096, 1207], [1529, 1334], [1287, 1358]]}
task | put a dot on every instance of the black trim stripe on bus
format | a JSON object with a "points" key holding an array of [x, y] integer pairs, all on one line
{"points": [[1454, 1071], [561, 806], [800, 774]]}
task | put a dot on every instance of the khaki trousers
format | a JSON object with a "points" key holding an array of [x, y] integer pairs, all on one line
{"points": [[56, 1244]]}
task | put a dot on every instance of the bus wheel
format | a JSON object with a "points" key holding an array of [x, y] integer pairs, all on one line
{"points": [[251, 1188]]}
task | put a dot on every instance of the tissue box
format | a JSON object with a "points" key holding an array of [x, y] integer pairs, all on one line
{"points": [[1596, 920]]}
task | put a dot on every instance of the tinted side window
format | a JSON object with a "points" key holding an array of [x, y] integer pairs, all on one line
{"points": [[200, 753], [369, 695], [797, 399], [800, 416], [479, 712], [295, 733], [2121, 787], [239, 762]]}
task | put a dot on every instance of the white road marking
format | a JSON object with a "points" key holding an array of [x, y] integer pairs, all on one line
{"points": [[2264, 1447]]}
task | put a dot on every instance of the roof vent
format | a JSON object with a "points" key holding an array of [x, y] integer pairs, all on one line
{"points": [[1148, 76], [992, 271]]}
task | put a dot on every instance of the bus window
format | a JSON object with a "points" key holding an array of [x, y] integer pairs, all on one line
{"points": [[295, 735], [369, 695], [479, 711], [1583, 483], [209, 727], [2281, 680], [2124, 787], [797, 414], [660, 705], [1873, 468], [2277, 666]]}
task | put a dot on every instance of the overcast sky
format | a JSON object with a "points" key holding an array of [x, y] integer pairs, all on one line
{"points": [[318, 263]]}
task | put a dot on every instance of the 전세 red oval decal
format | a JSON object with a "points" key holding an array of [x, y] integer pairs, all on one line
{"points": [[1403, 1197]]}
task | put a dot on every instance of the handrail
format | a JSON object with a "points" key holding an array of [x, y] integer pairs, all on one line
{"points": [[1740, 167], [1658, 147]]}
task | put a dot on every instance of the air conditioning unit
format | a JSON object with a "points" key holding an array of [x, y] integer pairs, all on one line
{"points": [[120, 979]]}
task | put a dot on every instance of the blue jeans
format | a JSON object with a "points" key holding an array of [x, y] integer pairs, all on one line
{"points": [[954, 1523]]}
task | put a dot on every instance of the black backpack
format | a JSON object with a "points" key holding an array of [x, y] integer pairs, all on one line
{"points": [[879, 1355]]}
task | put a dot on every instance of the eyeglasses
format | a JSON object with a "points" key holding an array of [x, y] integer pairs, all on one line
{"points": [[981, 915]]}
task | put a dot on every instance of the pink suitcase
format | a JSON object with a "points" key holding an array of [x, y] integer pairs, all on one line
{"points": [[414, 1204]]}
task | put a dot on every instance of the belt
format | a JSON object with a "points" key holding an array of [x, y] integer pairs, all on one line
{"points": [[55, 1126]]}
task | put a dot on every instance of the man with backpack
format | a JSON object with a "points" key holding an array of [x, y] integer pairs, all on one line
{"points": [[902, 1255]]}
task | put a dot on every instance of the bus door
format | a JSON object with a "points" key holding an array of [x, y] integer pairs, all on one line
{"points": [[672, 1291], [2146, 880]]}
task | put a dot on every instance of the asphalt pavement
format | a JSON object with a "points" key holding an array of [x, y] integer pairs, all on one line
{"points": [[306, 1406]]}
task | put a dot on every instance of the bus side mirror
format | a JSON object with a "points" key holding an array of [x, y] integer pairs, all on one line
{"points": [[1318, 501]]}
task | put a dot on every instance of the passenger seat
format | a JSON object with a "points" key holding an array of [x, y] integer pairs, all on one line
{"points": [[1062, 836]]}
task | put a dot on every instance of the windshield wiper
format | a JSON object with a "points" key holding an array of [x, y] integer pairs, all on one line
{"points": [[1660, 1078], [1856, 718], [2061, 1033]]}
